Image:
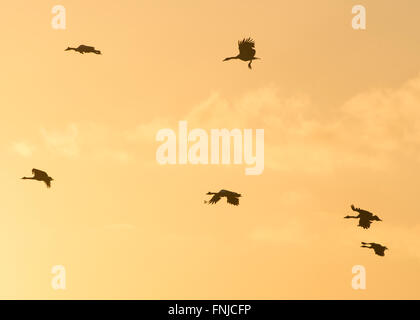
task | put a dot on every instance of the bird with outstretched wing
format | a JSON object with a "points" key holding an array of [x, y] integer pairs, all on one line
{"points": [[231, 197]]}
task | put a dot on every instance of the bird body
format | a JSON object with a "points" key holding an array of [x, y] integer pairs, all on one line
{"points": [[379, 249], [40, 175], [365, 217], [231, 197], [246, 51], [84, 49]]}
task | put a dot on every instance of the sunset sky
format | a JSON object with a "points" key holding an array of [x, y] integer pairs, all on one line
{"points": [[340, 109]]}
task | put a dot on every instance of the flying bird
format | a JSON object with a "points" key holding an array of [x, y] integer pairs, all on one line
{"points": [[40, 176], [379, 249], [231, 197], [365, 217], [84, 49], [246, 51]]}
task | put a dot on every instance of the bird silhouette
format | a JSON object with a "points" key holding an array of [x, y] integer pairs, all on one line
{"points": [[365, 217], [246, 51], [231, 197], [40, 176], [379, 249], [84, 49]]}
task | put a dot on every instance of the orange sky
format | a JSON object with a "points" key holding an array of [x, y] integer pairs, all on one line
{"points": [[340, 111]]}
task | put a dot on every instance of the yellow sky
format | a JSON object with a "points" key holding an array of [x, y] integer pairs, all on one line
{"points": [[340, 112]]}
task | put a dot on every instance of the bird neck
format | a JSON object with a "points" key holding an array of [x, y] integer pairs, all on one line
{"points": [[230, 58]]}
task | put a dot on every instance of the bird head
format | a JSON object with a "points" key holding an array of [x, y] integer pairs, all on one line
{"points": [[68, 48], [209, 192], [376, 218], [346, 217], [385, 248]]}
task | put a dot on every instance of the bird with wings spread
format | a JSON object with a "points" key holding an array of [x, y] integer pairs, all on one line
{"points": [[365, 217], [246, 51], [40, 175], [379, 249], [231, 197], [84, 49]]}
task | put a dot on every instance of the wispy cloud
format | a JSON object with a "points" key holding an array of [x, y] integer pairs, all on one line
{"points": [[92, 139], [370, 130], [24, 149], [63, 142]]}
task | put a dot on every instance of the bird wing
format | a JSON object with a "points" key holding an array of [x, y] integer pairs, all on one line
{"points": [[86, 48], [214, 199], [233, 200], [369, 243], [364, 223], [226, 193], [380, 251], [361, 211], [246, 47], [48, 183], [39, 173]]}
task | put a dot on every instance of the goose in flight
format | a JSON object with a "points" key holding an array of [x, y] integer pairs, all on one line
{"points": [[231, 197], [365, 217], [246, 51], [84, 49], [379, 249], [40, 176]]}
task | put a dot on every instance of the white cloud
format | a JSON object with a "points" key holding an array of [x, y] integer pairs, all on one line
{"points": [[23, 149], [91, 140], [370, 130], [65, 143], [146, 133]]}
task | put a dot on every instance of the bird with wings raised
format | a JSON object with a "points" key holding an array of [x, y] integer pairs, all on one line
{"points": [[40, 175], [231, 197], [365, 217], [246, 51], [379, 249], [84, 49]]}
